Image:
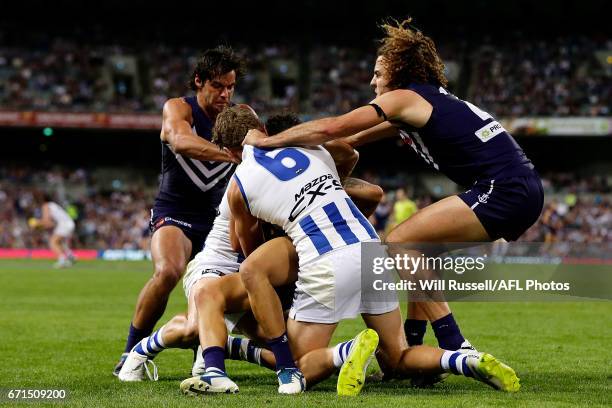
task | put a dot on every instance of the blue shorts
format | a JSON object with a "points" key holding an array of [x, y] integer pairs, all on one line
{"points": [[196, 229], [506, 207]]}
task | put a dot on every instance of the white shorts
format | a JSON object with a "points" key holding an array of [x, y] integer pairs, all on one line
{"points": [[329, 289], [199, 269], [64, 229]]}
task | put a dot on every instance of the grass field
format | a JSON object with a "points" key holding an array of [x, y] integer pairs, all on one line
{"points": [[64, 329]]}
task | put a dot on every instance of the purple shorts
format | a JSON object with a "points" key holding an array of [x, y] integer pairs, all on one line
{"points": [[195, 229], [506, 207]]}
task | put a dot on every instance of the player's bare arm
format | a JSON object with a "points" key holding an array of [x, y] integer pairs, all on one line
{"points": [[176, 131], [381, 131], [345, 157], [246, 231], [398, 105], [46, 221], [366, 196]]}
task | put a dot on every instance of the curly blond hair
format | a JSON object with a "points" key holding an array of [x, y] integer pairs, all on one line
{"points": [[410, 56]]}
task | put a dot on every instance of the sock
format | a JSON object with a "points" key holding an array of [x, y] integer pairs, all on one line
{"points": [[152, 345], [456, 363], [214, 358], [134, 336], [447, 332], [341, 352], [415, 331], [239, 348], [282, 353]]}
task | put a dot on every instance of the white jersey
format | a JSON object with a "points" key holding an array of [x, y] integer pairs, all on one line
{"points": [[218, 250], [58, 214], [299, 190]]}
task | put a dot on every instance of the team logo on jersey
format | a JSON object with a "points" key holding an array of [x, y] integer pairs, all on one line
{"points": [[309, 192], [489, 131], [483, 198]]}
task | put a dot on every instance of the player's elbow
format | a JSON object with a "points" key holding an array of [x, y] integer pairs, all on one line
{"points": [[376, 193]]}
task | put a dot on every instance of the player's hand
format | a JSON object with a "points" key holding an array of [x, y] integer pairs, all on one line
{"points": [[254, 138], [33, 222], [232, 156]]}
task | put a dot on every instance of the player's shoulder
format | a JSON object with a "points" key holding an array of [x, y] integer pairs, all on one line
{"points": [[177, 107]]}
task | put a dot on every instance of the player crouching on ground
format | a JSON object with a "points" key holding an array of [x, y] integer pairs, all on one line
{"points": [[326, 230], [217, 299]]}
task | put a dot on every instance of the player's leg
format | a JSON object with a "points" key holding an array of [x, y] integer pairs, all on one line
{"points": [[180, 332], [399, 359], [309, 345], [220, 301], [55, 243], [170, 250], [272, 264], [415, 324], [448, 220]]}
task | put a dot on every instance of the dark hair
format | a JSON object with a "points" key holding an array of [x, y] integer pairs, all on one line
{"points": [[410, 56], [216, 62], [281, 121], [232, 125]]}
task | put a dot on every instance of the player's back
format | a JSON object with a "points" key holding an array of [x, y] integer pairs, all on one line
{"points": [[464, 142], [58, 214], [299, 190], [218, 249]]}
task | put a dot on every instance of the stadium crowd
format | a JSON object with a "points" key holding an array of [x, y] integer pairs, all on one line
{"points": [[518, 78], [579, 209], [105, 218]]}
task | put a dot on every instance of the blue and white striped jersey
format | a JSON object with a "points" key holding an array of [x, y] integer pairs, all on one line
{"points": [[218, 249], [298, 189]]}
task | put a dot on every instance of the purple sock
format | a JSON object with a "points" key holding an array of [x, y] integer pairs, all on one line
{"points": [[282, 353], [214, 357], [134, 336], [447, 332], [415, 331]]}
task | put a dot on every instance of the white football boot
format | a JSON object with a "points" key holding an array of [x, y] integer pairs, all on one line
{"points": [[135, 368]]}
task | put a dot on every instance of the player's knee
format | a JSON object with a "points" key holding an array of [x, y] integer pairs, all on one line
{"points": [[209, 293], [395, 237], [249, 275], [168, 273]]}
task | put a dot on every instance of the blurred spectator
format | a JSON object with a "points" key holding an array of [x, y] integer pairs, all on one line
{"points": [[558, 77]]}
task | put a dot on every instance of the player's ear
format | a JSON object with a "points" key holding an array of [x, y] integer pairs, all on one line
{"points": [[198, 81]]}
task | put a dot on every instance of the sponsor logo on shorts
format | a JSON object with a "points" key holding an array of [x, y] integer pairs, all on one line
{"points": [[164, 220], [183, 223], [482, 198], [489, 131]]}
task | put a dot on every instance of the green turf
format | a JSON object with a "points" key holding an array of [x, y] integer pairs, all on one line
{"points": [[66, 328]]}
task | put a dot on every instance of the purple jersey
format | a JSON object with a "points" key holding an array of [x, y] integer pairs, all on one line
{"points": [[464, 142], [191, 187]]}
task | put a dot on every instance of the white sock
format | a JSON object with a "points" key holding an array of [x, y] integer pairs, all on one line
{"points": [[242, 348], [152, 345], [341, 352], [456, 363]]}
